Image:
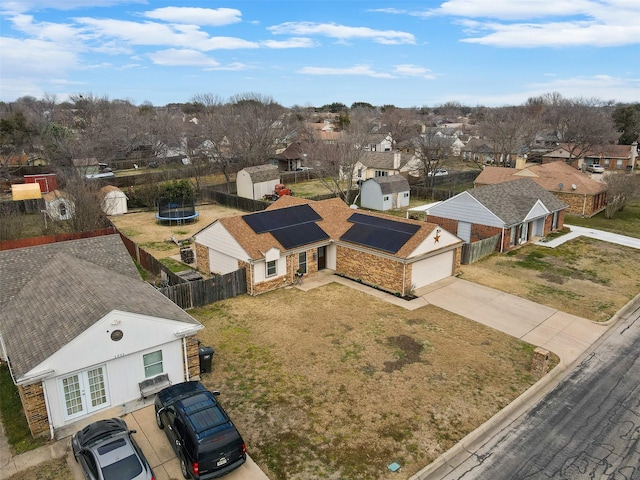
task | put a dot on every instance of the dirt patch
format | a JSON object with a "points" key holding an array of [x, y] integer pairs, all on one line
{"points": [[142, 228], [584, 277], [335, 384]]}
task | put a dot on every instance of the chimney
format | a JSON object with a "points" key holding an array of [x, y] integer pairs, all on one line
{"points": [[396, 160]]}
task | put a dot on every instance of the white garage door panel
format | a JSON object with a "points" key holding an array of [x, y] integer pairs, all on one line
{"points": [[221, 263], [432, 269]]}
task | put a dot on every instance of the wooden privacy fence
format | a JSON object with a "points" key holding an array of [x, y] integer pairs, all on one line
{"points": [[204, 292], [472, 252]]}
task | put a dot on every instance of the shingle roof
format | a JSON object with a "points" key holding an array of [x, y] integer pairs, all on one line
{"points": [[512, 201], [548, 175], [64, 298], [263, 173], [392, 184], [382, 160]]}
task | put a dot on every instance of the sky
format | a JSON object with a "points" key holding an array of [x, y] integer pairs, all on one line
{"points": [[316, 52]]}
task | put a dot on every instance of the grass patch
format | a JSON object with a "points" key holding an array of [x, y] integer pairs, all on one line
{"points": [[174, 265], [625, 222], [158, 246], [52, 470], [15, 423]]}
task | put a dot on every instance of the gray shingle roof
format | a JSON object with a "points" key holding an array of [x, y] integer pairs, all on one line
{"points": [[66, 295], [392, 184], [263, 173], [512, 201]]}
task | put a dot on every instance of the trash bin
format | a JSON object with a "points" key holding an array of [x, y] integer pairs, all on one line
{"points": [[206, 359]]}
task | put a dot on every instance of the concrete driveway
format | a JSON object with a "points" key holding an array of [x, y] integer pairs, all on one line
{"points": [[159, 453], [564, 334]]}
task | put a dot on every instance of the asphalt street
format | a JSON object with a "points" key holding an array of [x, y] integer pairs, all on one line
{"points": [[587, 427]]}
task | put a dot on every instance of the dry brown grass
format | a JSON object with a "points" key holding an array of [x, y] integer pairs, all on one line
{"points": [[584, 277], [333, 383], [50, 470]]}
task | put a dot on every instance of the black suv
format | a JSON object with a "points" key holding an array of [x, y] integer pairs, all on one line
{"points": [[203, 436]]}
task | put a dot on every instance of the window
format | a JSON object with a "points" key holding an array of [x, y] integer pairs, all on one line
{"points": [[302, 262], [385, 198], [272, 268], [405, 194], [619, 164], [152, 363], [62, 208]]}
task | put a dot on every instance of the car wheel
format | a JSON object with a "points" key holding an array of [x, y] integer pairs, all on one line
{"points": [[183, 467], [159, 421]]}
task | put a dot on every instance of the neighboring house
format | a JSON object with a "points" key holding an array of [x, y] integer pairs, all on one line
{"points": [[378, 164], [585, 196], [385, 193], [379, 142], [518, 211], [391, 253], [481, 151], [81, 330], [611, 157], [58, 205], [256, 182], [291, 158], [113, 200]]}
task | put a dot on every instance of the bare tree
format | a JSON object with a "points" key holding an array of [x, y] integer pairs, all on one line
{"points": [[507, 129], [401, 123], [431, 149], [622, 188]]}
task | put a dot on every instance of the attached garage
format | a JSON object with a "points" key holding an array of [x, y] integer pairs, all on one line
{"points": [[432, 269]]}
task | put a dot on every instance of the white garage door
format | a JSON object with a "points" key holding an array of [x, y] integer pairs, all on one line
{"points": [[432, 269]]}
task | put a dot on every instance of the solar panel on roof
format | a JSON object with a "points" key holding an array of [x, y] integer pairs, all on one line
{"points": [[297, 235], [385, 223], [370, 236], [270, 220]]}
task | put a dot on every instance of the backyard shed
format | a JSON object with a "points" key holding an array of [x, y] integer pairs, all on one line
{"points": [[385, 193], [256, 182], [113, 200], [58, 205]]}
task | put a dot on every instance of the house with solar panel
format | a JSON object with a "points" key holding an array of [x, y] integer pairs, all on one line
{"points": [[394, 254]]}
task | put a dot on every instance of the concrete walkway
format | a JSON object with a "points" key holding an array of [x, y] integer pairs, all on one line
{"points": [[591, 233]]}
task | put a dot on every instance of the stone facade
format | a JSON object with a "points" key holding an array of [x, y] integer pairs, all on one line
{"points": [[193, 357], [583, 205], [380, 272], [35, 408], [202, 258]]}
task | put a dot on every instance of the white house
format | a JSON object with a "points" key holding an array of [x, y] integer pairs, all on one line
{"points": [[59, 205], [385, 193], [82, 330], [113, 200], [256, 182]]}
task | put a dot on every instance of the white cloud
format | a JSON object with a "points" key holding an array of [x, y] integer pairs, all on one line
{"points": [[343, 32], [34, 58], [295, 42], [361, 70], [199, 16], [514, 9], [173, 57], [413, 71]]}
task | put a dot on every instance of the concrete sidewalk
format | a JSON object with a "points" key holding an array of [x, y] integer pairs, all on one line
{"points": [[591, 233]]}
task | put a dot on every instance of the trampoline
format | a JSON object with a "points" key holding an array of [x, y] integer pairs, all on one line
{"points": [[176, 212]]}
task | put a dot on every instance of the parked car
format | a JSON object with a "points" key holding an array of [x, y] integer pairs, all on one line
{"points": [[106, 451], [595, 168], [204, 438], [438, 172]]}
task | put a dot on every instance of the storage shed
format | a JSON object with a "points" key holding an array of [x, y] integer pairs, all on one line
{"points": [[59, 205], [113, 200], [256, 182], [385, 193]]}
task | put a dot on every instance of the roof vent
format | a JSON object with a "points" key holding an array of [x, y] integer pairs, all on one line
{"points": [[573, 186]]}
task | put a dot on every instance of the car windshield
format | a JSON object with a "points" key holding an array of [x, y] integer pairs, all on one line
{"points": [[124, 469]]}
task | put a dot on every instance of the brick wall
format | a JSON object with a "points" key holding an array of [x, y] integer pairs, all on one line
{"points": [[373, 270], [193, 357], [202, 258], [35, 408], [586, 205]]}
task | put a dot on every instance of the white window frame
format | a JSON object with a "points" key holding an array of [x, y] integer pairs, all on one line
{"points": [[271, 266], [84, 394], [154, 363]]}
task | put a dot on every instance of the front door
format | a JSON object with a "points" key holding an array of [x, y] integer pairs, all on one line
{"points": [[322, 258], [84, 392]]}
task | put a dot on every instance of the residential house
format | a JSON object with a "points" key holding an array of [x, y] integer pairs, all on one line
{"points": [[379, 142], [256, 182], [291, 158], [378, 164], [517, 211], [611, 157], [391, 253], [81, 331], [478, 150], [583, 195], [385, 193], [113, 200]]}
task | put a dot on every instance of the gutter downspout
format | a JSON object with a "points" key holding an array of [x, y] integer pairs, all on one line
{"points": [[584, 204], [48, 408], [186, 359], [404, 278], [502, 241]]}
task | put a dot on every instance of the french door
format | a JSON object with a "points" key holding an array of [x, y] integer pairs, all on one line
{"points": [[85, 392]]}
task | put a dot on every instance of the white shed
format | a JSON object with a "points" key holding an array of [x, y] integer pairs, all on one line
{"points": [[385, 193], [113, 200], [58, 205], [256, 182]]}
